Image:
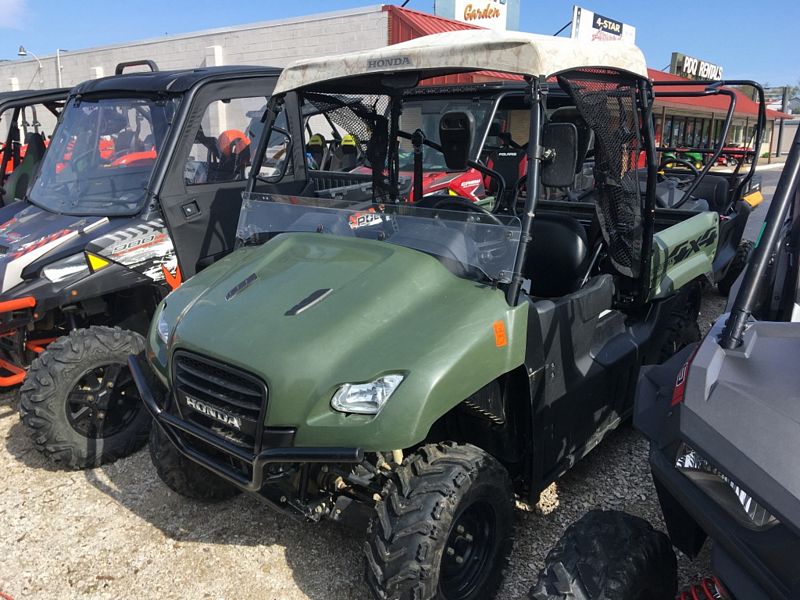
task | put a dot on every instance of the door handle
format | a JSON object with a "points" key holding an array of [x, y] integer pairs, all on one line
{"points": [[190, 209]]}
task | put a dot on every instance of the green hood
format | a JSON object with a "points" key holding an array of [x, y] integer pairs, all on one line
{"points": [[390, 310]]}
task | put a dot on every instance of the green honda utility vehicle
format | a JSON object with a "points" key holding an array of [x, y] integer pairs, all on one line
{"points": [[418, 364]]}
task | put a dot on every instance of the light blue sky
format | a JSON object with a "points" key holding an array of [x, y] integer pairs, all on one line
{"points": [[749, 38]]}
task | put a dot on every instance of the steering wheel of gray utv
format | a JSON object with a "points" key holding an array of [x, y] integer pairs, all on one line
{"points": [[683, 162], [682, 184]]}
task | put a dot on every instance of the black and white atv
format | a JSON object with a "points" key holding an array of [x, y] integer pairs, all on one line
{"points": [[86, 256]]}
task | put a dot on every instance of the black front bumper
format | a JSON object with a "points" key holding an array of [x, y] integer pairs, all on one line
{"points": [[155, 397]]}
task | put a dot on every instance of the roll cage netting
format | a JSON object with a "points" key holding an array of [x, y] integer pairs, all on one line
{"points": [[607, 100], [360, 115]]}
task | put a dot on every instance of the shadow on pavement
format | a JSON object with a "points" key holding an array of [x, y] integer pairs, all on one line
{"points": [[325, 559]]}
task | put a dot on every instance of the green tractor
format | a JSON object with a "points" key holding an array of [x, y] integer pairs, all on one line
{"points": [[414, 366]]}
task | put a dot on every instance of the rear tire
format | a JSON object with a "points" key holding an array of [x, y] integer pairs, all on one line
{"points": [[184, 476], [682, 328], [609, 555], [79, 402], [739, 262], [443, 528]]}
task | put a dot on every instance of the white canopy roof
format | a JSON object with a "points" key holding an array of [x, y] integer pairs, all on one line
{"points": [[468, 50]]}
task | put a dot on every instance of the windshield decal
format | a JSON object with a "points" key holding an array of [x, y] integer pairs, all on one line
{"points": [[365, 219]]}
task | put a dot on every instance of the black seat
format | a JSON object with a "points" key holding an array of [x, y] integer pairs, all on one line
{"points": [[511, 164], [556, 257], [714, 189], [345, 157], [16, 186]]}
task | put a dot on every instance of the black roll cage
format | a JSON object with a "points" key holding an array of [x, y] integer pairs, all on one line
{"points": [[718, 88]]}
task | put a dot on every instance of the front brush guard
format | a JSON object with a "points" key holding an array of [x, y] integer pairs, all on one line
{"points": [[170, 425]]}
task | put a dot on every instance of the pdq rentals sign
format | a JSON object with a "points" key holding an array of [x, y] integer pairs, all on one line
{"points": [[492, 14], [694, 68], [590, 26]]}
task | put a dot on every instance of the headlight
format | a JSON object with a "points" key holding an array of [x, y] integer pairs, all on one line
{"points": [[729, 494], [365, 398], [163, 328], [66, 268]]}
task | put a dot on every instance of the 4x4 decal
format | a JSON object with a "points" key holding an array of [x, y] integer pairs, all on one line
{"points": [[689, 247]]}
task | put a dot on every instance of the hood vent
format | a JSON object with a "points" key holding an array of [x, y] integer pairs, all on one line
{"points": [[240, 286], [309, 301]]}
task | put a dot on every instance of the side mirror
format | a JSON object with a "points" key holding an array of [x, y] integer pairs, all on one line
{"points": [[454, 137], [277, 155], [561, 141]]}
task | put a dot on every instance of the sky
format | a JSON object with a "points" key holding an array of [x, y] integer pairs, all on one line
{"points": [[751, 39]]}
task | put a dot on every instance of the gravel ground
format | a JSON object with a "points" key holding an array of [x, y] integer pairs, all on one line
{"points": [[117, 532]]}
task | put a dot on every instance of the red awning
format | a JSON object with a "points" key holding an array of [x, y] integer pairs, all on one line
{"points": [[406, 24]]}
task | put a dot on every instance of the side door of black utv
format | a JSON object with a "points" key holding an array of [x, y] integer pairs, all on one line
{"points": [[202, 188]]}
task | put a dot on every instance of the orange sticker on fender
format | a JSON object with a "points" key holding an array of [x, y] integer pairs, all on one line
{"points": [[500, 337]]}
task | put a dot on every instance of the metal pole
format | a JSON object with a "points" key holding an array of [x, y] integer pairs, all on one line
{"points": [[646, 101], [38, 69], [780, 125], [748, 296], [417, 139], [58, 67], [532, 188]]}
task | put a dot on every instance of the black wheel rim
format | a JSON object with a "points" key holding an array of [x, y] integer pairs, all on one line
{"points": [[103, 402], [469, 552]]}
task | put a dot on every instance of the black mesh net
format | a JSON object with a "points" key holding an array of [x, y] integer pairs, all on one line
{"points": [[607, 101], [358, 115]]}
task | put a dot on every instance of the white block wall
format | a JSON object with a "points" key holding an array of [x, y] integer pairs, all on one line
{"points": [[273, 43]]}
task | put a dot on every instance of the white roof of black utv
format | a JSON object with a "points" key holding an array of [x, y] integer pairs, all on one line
{"points": [[460, 51]]}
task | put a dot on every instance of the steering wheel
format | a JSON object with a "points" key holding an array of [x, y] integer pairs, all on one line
{"points": [[493, 245], [682, 183], [456, 203], [680, 161]]}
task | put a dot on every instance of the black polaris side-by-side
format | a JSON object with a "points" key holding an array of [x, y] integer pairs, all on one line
{"points": [[723, 420], [86, 256]]}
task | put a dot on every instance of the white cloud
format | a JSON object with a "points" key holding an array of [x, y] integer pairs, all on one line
{"points": [[12, 13]]}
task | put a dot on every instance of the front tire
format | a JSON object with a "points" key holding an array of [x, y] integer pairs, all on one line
{"points": [[443, 528], [609, 555], [79, 402], [184, 476]]}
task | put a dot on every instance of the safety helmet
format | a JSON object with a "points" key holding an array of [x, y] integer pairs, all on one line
{"points": [[232, 140]]}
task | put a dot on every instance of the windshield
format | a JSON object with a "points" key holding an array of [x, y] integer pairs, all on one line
{"points": [[102, 154], [425, 114], [473, 244]]}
